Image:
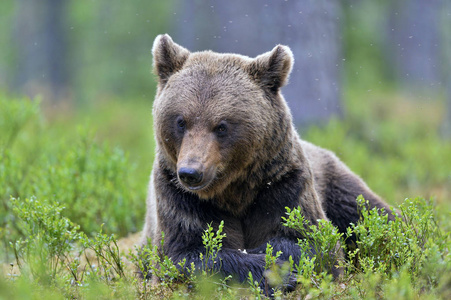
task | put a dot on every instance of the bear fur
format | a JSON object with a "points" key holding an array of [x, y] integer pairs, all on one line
{"points": [[227, 151]]}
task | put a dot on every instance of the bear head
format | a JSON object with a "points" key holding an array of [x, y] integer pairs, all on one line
{"points": [[219, 118]]}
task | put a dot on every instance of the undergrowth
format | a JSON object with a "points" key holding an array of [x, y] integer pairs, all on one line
{"points": [[392, 142], [94, 180], [407, 258], [65, 200]]}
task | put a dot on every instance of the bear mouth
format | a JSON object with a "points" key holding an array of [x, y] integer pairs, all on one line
{"points": [[201, 190], [197, 188]]}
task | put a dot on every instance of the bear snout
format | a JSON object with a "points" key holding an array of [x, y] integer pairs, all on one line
{"points": [[190, 176]]}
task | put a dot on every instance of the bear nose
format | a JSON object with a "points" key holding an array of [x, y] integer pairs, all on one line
{"points": [[190, 176]]}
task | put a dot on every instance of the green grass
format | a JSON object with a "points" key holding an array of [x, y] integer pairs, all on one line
{"points": [[73, 181]]}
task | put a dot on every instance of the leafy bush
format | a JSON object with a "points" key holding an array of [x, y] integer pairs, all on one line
{"points": [[95, 181], [412, 243], [323, 241], [49, 238], [408, 257], [50, 255]]}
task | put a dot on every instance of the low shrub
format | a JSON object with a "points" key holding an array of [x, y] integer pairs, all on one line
{"points": [[94, 181]]}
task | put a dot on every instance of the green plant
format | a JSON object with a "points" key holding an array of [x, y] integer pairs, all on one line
{"points": [[212, 242], [152, 262], [44, 253], [323, 241], [411, 243], [94, 179], [106, 252]]}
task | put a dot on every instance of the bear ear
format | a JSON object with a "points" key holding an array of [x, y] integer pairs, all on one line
{"points": [[168, 57], [272, 69]]}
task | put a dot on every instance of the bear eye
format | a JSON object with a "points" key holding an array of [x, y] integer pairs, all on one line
{"points": [[181, 124], [221, 129]]}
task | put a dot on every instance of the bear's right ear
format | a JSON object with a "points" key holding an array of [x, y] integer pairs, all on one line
{"points": [[272, 69], [168, 57]]}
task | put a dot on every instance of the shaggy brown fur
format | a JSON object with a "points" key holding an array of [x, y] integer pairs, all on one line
{"points": [[227, 150]]}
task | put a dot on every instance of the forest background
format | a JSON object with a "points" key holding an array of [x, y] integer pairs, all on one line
{"points": [[371, 81]]}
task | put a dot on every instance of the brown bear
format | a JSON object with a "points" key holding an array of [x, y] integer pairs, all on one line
{"points": [[227, 151]]}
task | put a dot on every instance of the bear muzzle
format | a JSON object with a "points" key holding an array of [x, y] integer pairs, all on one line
{"points": [[190, 176]]}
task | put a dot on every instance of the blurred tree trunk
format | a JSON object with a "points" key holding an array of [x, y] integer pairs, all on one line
{"points": [[310, 27], [414, 36], [41, 44], [446, 126]]}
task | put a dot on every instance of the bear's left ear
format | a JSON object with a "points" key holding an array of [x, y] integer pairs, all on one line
{"points": [[272, 69], [168, 57]]}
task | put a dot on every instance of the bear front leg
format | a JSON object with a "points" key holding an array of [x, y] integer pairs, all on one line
{"points": [[230, 262], [227, 262], [183, 241]]}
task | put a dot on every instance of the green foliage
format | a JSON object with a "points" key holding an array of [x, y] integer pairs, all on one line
{"points": [[411, 243], [275, 274], [106, 252], [152, 262], [212, 242], [322, 242], [48, 238], [320, 252], [254, 287], [365, 63], [114, 57], [270, 258], [94, 180], [403, 258], [392, 144], [57, 175], [56, 259]]}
